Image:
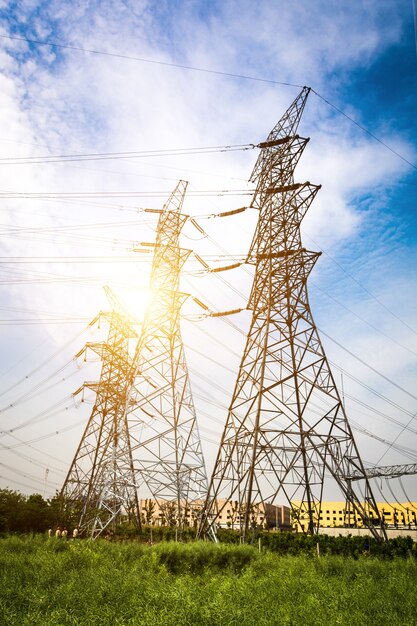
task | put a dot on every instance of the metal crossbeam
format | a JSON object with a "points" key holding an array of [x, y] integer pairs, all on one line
{"points": [[387, 471]]}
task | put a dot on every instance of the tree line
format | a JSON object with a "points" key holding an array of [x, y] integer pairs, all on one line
{"points": [[24, 514]]}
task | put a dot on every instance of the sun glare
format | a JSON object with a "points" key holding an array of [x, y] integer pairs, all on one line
{"points": [[134, 301]]}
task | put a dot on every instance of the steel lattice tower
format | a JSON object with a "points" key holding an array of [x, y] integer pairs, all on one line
{"points": [[166, 445], [286, 427], [100, 484]]}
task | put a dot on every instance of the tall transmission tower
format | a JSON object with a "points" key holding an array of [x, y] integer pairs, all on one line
{"points": [[286, 428], [100, 485], [164, 436]]}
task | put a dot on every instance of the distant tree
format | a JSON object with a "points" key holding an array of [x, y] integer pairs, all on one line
{"points": [[12, 511], [36, 514], [195, 514], [169, 511], [20, 513], [63, 511], [234, 512], [150, 508]]}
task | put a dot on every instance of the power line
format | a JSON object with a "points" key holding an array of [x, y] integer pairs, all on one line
{"points": [[117, 194], [103, 156], [365, 130], [219, 73], [405, 451], [69, 227], [373, 391], [397, 437], [365, 289], [17, 482], [49, 435], [34, 461], [381, 396], [45, 362], [384, 416], [381, 332], [20, 473], [152, 61], [405, 493], [56, 409], [69, 259], [39, 389], [36, 322], [355, 356], [135, 174]]}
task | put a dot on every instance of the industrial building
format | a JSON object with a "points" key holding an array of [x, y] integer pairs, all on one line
{"points": [[338, 515], [162, 513]]}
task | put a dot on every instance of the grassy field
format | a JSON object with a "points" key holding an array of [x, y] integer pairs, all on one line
{"points": [[56, 582]]}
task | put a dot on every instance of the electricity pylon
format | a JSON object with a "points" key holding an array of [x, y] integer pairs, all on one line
{"points": [[286, 428], [100, 485], [164, 436]]}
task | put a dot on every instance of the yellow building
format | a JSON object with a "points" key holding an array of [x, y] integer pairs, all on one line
{"points": [[263, 514], [163, 513], [337, 515]]}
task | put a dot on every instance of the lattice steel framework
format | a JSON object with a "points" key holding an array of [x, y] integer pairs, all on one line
{"points": [[100, 483], [387, 471], [286, 428], [165, 441]]}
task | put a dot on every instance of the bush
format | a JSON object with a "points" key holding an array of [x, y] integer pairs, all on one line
{"points": [[50, 582], [201, 556]]}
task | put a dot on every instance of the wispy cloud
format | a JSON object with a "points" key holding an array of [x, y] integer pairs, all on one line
{"points": [[59, 101]]}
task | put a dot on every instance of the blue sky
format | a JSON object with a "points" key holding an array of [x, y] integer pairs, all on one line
{"points": [[361, 57]]}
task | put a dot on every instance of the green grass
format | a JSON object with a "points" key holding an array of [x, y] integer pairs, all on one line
{"points": [[57, 583]]}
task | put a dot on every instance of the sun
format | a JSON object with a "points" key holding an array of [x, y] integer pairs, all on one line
{"points": [[132, 301]]}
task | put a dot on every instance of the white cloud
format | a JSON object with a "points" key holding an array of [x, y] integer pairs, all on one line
{"points": [[68, 101]]}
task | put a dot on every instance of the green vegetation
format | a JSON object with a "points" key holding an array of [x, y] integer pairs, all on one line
{"points": [[20, 513], [34, 514], [56, 582], [283, 543]]}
